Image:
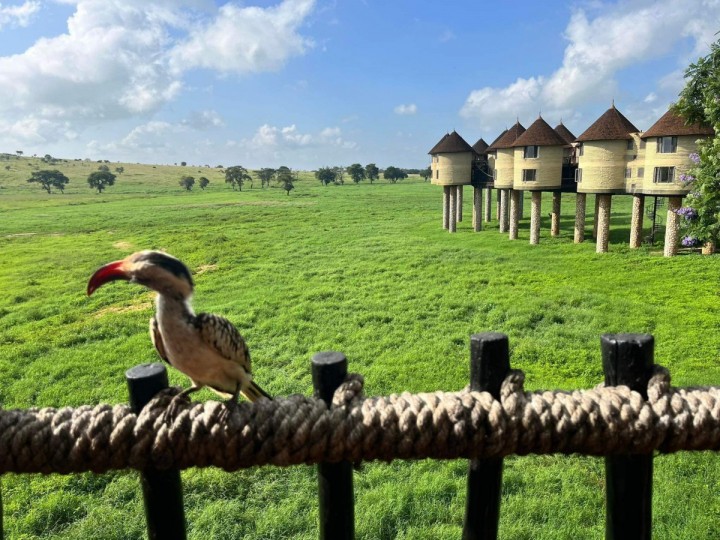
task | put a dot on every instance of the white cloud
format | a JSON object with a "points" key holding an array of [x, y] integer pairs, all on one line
{"points": [[409, 109], [246, 39], [18, 15], [651, 98], [122, 59], [202, 120], [620, 36]]}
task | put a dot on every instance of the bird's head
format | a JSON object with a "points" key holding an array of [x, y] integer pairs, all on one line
{"points": [[153, 269]]}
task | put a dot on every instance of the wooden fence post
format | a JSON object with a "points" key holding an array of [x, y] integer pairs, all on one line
{"points": [[162, 490], [489, 365], [335, 480], [627, 360]]}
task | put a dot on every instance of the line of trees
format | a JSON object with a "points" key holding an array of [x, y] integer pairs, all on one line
{"points": [[50, 179]]}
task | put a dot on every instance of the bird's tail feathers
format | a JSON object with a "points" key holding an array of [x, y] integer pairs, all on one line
{"points": [[253, 392]]}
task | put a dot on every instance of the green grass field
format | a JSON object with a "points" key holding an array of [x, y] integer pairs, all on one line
{"points": [[366, 270]]}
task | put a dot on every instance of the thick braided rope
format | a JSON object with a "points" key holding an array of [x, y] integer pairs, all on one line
{"points": [[298, 429]]}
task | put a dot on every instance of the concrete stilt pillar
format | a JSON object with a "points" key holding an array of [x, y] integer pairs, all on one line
{"points": [[515, 198], [580, 217], [521, 204], [555, 219], [536, 201], [446, 206], [672, 227], [497, 204], [636, 223], [603, 228], [503, 215], [595, 218], [452, 223], [477, 209], [488, 205], [459, 200]]}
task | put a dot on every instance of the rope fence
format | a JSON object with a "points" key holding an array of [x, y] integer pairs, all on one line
{"points": [[492, 418]]}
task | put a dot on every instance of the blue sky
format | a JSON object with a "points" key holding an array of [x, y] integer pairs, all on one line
{"points": [[309, 83]]}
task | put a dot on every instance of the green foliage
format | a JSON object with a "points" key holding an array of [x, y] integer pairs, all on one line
{"points": [[203, 182], [119, 170], [426, 173], [285, 178], [393, 174], [266, 175], [356, 172], [699, 103], [236, 176], [187, 182], [101, 179], [372, 172], [49, 179], [326, 175]]}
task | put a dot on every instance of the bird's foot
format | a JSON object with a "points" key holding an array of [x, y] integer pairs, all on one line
{"points": [[174, 407], [230, 406]]}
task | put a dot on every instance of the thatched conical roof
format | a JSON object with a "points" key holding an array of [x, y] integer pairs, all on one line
{"points": [[612, 125], [451, 143], [565, 133], [539, 134], [508, 137], [492, 144], [480, 146], [672, 124]]}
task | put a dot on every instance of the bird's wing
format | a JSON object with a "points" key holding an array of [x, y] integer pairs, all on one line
{"points": [[218, 333], [157, 339]]}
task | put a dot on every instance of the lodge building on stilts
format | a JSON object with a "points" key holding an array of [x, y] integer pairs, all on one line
{"points": [[611, 158]]}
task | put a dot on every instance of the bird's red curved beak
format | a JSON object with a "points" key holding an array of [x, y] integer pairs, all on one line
{"points": [[110, 272]]}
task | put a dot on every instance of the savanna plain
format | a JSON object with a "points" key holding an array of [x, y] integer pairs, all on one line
{"points": [[363, 269]]}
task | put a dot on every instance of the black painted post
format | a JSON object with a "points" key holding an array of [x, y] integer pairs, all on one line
{"points": [[489, 365], [335, 481], [162, 490], [627, 360]]}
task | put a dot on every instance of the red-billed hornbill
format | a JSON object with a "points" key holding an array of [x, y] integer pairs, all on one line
{"points": [[207, 348]]}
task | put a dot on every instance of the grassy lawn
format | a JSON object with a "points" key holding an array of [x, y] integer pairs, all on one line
{"points": [[366, 270]]}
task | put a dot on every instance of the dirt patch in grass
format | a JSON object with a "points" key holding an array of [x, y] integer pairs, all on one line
{"points": [[123, 309], [205, 268], [122, 245]]}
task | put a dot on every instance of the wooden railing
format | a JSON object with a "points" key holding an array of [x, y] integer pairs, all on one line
{"points": [[637, 405]]}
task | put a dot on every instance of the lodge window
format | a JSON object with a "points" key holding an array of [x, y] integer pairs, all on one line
{"points": [[532, 152], [641, 172], [630, 144], [437, 174], [666, 145], [578, 175], [628, 173], [529, 175], [664, 175], [495, 174]]}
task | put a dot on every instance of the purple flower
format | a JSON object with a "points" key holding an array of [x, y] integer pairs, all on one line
{"points": [[687, 212], [689, 241], [687, 178], [695, 157]]}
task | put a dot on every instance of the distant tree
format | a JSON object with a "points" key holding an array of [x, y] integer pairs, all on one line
{"points": [[183, 163], [326, 175], [100, 180], [19, 152], [104, 168], [426, 174], [49, 179], [265, 175], [203, 182], [187, 182], [339, 175], [356, 172], [372, 172], [119, 170], [285, 178], [393, 174], [237, 176]]}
